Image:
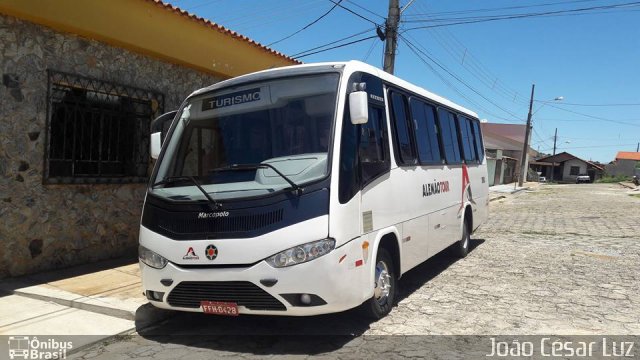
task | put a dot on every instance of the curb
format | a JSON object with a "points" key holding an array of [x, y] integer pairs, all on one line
{"points": [[628, 185], [104, 310], [106, 338]]}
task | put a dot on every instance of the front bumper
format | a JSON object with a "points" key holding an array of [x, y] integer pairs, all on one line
{"points": [[337, 278]]}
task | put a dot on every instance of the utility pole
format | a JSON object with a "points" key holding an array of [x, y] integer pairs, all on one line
{"points": [[391, 34], [638, 147], [553, 168], [525, 149]]}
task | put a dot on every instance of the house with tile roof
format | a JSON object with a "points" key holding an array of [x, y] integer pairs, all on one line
{"points": [[626, 163], [565, 167], [81, 83]]}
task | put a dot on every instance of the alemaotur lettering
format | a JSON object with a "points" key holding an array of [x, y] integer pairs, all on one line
{"points": [[436, 187]]}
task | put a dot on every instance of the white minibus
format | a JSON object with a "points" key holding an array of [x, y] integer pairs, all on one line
{"points": [[306, 190]]}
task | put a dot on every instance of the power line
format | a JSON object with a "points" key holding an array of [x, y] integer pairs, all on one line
{"points": [[331, 43], [355, 13], [461, 53], [411, 45], [308, 25], [612, 105], [373, 45], [518, 16], [453, 87], [444, 80], [467, 62], [502, 8], [592, 146], [542, 141], [598, 138], [593, 117], [564, 13], [335, 47], [201, 4], [365, 9], [509, 16], [251, 15]]}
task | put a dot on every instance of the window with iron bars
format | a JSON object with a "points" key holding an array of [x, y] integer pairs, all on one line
{"points": [[97, 131]]}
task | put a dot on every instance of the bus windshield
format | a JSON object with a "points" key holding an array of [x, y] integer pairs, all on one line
{"points": [[222, 137]]}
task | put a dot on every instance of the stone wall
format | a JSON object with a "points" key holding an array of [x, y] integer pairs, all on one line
{"points": [[51, 226]]}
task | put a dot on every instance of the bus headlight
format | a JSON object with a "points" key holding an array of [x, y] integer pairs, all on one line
{"points": [[301, 253], [151, 258]]}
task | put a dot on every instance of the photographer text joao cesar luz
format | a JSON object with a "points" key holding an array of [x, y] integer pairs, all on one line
{"points": [[556, 347]]}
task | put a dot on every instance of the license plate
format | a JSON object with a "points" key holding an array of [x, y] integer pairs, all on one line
{"points": [[219, 308]]}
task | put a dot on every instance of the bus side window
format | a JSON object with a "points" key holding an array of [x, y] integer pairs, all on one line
{"points": [[401, 129], [449, 136], [466, 136], [477, 135], [426, 130], [372, 148]]}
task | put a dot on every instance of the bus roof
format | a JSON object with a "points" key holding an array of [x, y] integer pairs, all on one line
{"points": [[349, 66]]}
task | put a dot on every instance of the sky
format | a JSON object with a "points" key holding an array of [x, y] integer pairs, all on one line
{"points": [[469, 53]]}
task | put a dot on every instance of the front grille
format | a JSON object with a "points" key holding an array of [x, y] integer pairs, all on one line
{"points": [[189, 294], [180, 223]]}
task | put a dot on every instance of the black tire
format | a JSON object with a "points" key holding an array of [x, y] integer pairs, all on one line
{"points": [[461, 247], [382, 301]]}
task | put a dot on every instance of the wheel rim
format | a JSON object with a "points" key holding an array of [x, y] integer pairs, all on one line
{"points": [[383, 283]]}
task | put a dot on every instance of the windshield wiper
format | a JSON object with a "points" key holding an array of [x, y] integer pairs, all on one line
{"points": [[172, 179], [296, 188]]}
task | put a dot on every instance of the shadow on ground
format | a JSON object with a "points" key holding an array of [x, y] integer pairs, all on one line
{"points": [[276, 335], [11, 284]]}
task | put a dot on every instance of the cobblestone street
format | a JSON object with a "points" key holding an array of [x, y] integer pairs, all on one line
{"points": [[559, 259]]}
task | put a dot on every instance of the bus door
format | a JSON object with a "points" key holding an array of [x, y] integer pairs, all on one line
{"points": [[365, 162]]}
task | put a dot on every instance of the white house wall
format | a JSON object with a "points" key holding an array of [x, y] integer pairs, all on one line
{"points": [[567, 169]]}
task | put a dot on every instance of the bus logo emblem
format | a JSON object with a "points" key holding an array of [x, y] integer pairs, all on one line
{"points": [[211, 252], [191, 255]]}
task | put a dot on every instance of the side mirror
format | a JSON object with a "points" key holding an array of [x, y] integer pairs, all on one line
{"points": [[158, 127], [156, 144], [358, 107], [158, 124]]}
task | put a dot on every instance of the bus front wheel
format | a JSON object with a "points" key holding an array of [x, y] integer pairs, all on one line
{"points": [[384, 292], [461, 247]]}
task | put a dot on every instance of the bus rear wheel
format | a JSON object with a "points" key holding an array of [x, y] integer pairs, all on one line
{"points": [[384, 292]]}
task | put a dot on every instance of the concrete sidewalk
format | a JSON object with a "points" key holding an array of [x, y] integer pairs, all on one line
{"points": [[499, 191], [102, 299]]}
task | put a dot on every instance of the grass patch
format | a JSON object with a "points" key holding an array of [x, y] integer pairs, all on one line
{"points": [[613, 179], [635, 195]]}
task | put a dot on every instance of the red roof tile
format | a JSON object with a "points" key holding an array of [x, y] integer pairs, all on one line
{"points": [[222, 29], [628, 155], [511, 131]]}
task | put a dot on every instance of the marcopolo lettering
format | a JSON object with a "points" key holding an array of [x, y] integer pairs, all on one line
{"points": [[236, 98], [210, 215], [436, 187]]}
